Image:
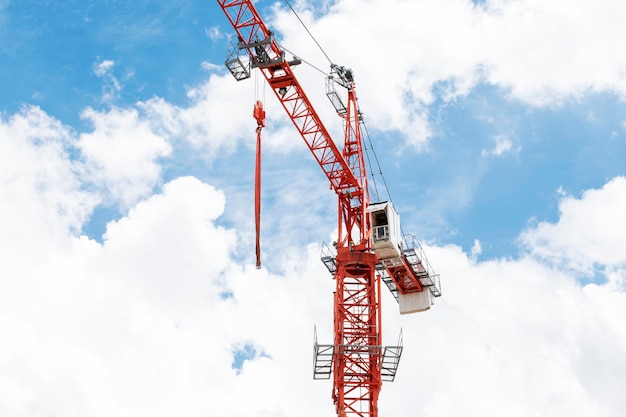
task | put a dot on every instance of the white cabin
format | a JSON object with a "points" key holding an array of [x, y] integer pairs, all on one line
{"points": [[387, 243], [386, 234]]}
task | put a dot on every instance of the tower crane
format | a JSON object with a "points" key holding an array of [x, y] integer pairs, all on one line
{"points": [[370, 247]]}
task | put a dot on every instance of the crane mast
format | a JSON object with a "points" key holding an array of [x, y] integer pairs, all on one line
{"points": [[356, 359]]}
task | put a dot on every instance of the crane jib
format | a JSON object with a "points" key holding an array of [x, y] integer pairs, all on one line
{"points": [[253, 34]]}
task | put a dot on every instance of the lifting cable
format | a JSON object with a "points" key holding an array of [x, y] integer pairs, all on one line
{"points": [[380, 170], [308, 31], [259, 114], [371, 146], [305, 61]]}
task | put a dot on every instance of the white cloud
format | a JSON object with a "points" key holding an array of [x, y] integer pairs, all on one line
{"points": [[512, 335], [137, 325], [541, 53], [503, 145], [40, 190], [175, 232], [214, 33], [591, 230], [212, 67], [140, 325], [112, 85], [542, 42], [217, 116], [121, 154], [103, 68], [476, 250]]}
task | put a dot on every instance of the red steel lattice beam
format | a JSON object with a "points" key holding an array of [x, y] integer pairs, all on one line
{"points": [[357, 333]]}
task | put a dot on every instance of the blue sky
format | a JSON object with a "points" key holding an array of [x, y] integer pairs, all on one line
{"points": [[126, 171], [158, 49]]}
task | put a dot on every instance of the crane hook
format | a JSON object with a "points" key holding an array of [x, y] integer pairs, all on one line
{"points": [[259, 115]]}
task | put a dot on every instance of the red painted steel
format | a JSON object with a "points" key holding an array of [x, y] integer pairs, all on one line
{"points": [[259, 115], [358, 351], [357, 333]]}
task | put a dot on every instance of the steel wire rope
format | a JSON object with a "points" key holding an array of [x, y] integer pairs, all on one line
{"points": [[308, 31], [369, 165], [258, 81], [380, 170], [305, 61], [371, 145]]}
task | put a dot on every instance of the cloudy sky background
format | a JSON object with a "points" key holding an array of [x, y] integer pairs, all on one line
{"points": [[127, 279]]}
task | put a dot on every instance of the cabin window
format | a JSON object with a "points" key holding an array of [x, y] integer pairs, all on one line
{"points": [[380, 219], [381, 233]]}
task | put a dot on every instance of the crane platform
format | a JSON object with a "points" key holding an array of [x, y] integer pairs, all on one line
{"points": [[414, 254], [388, 357]]}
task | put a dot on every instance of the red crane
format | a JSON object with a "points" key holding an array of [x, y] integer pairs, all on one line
{"points": [[370, 247]]}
